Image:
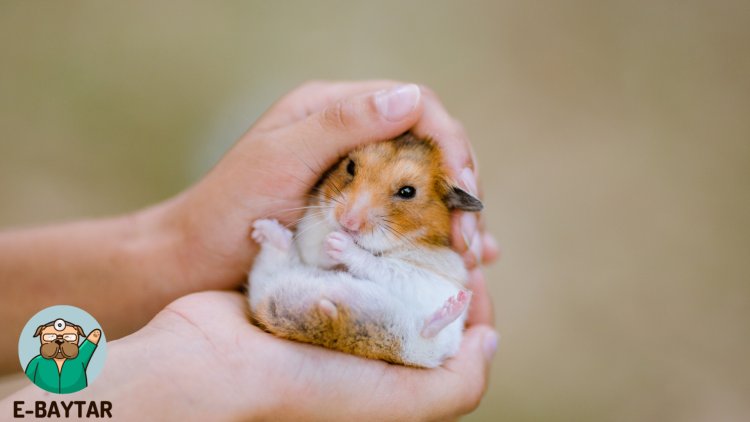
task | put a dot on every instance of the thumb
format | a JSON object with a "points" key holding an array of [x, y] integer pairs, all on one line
{"points": [[327, 135], [461, 383]]}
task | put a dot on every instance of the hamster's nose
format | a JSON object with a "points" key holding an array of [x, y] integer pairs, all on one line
{"points": [[58, 341], [351, 223]]}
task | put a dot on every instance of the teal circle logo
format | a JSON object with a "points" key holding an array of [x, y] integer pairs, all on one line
{"points": [[62, 349]]}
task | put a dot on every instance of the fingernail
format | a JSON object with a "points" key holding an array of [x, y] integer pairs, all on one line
{"points": [[396, 103], [468, 181], [468, 228], [490, 345]]}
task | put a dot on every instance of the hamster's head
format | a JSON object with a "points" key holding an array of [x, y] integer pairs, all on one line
{"points": [[393, 194]]}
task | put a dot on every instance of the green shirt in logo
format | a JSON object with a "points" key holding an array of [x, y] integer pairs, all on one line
{"points": [[43, 372]]}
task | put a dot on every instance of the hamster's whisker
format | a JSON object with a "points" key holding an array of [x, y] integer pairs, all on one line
{"points": [[313, 215], [336, 187], [328, 196], [398, 234], [391, 231], [302, 182], [318, 213], [284, 213], [298, 234], [332, 197], [277, 214], [309, 207], [406, 238], [309, 167], [390, 225]]}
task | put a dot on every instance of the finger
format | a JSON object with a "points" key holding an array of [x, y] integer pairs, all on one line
{"points": [[437, 124], [480, 309], [312, 97], [466, 225], [490, 249], [461, 164], [466, 238], [458, 387], [332, 132]]}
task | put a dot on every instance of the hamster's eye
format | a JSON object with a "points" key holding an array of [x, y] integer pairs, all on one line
{"points": [[350, 167], [406, 192]]}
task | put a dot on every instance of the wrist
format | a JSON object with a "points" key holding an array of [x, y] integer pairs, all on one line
{"points": [[152, 245]]}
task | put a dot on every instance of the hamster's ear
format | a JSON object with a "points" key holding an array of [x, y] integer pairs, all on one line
{"points": [[459, 199], [39, 330], [80, 331]]}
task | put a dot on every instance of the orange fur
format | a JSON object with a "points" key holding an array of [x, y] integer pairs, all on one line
{"points": [[381, 169], [343, 332]]}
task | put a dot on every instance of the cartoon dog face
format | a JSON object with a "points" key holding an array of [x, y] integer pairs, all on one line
{"points": [[59, 339]]}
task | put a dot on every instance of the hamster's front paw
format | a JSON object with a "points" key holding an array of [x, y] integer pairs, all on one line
{"points": [[337, 245], [273, 233]]}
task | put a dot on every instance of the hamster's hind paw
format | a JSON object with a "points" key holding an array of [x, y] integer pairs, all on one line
{"points": [[328, 308], [271, 232], [449, 312], [336, 246]]}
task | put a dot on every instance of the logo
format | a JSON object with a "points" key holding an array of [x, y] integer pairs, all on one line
{"points": [[62, 349]]}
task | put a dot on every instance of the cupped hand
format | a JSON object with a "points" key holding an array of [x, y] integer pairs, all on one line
{"points": [[272, 168], [209, 363]]}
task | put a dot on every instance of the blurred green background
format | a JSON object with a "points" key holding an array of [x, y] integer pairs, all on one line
{"points": [[613, 140]]}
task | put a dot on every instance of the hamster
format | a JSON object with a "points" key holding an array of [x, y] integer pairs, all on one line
{"points": [[370, 270]]}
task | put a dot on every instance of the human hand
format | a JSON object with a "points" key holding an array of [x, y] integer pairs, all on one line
{"points": [[203, 357], [200, 239], [272, 168]]}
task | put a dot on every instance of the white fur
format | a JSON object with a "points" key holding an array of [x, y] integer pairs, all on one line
{"points": [[398, 285]]}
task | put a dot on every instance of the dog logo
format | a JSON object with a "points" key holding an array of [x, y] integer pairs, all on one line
{"points": [[64, 350]]}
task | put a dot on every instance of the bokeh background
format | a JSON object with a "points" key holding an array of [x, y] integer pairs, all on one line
{"points": [[613, 139]]}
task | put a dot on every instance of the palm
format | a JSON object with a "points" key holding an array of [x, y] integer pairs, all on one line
{"points": [[212, 330]]}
